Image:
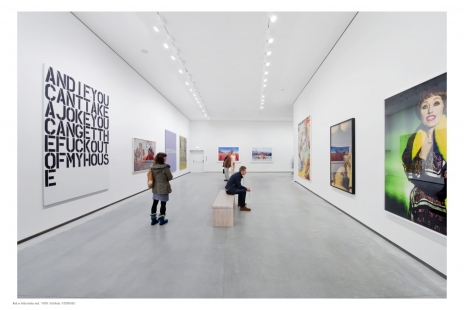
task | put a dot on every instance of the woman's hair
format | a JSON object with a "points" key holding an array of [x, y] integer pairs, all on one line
{"points": [[159, 158], [430, 92]]}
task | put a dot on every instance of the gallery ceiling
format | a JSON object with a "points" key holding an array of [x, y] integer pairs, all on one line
{"points": [[222, 57]]}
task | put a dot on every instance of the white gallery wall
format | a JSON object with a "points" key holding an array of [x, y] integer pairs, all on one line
{"points": [[380, 55], [136, 110], [208, 135]]}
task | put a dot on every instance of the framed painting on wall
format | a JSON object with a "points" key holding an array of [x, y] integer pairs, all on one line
{"points": [[342, 156], [261, 154], [171, 150], [222, 152], [182, 152], [416, 154], [304, 149], [143, 153], [75, 138]]}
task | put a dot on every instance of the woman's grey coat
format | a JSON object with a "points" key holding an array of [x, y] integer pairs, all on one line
{"points": [[161, 175]]}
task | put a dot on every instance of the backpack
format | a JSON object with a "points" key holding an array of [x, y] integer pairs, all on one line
{"points": [[151, 180]]}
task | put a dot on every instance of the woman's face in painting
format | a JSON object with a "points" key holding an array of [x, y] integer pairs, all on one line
{"points": [[431, 110]]}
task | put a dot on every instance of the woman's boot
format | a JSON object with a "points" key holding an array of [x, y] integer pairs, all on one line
{"points": [[162, 220], [153, 219]]}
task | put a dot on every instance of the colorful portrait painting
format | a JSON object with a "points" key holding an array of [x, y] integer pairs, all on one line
{"points": [[342, 172], [304, 148], [223, 151], [416, 154], [143, 154], [261, 154]]}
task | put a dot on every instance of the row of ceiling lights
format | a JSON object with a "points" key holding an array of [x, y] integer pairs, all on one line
{"points": [[267, 53], [189, 82]]}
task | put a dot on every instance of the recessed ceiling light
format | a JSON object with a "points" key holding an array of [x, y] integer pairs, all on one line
{"points": [[187, 83], [156, 29], [199, 105], [263, 96], [268, 53], [194, 95], [191, 89], [144, 51], [273, 18], [267, 64], [262, 108], [264, 85], [266, 72], [173, 58], [180, 71], [265, 80], [270, 40], [165, 45]]}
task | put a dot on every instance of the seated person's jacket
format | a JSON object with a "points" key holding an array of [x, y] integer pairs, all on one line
{"points": [[235, 181]]}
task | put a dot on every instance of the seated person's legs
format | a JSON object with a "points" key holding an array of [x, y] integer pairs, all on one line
{"points": [[241, 196]]}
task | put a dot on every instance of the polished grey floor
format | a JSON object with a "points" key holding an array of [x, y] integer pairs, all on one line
{"points": [[292, 244]]}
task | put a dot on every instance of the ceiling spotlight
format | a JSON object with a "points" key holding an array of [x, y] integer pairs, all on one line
{"points": [[267, 64], [264, 85], [261, 108], [271, 16], [187, 83], [268, 53], [173, 58], [156, 29], [199, 105], [265, 80], [194, 95], [165, 45], [266, 73], [191, 89], [180, 71], [270, 40]]}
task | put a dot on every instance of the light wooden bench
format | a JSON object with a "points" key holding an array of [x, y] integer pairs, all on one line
{"points": [[223, 209]]}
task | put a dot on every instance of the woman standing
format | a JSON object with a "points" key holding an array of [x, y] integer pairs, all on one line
{"points": [[161, 188], [425, 162], [232, 162]]}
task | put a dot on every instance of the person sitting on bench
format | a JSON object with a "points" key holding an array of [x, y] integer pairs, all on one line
{"points": [[234, 186]]}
